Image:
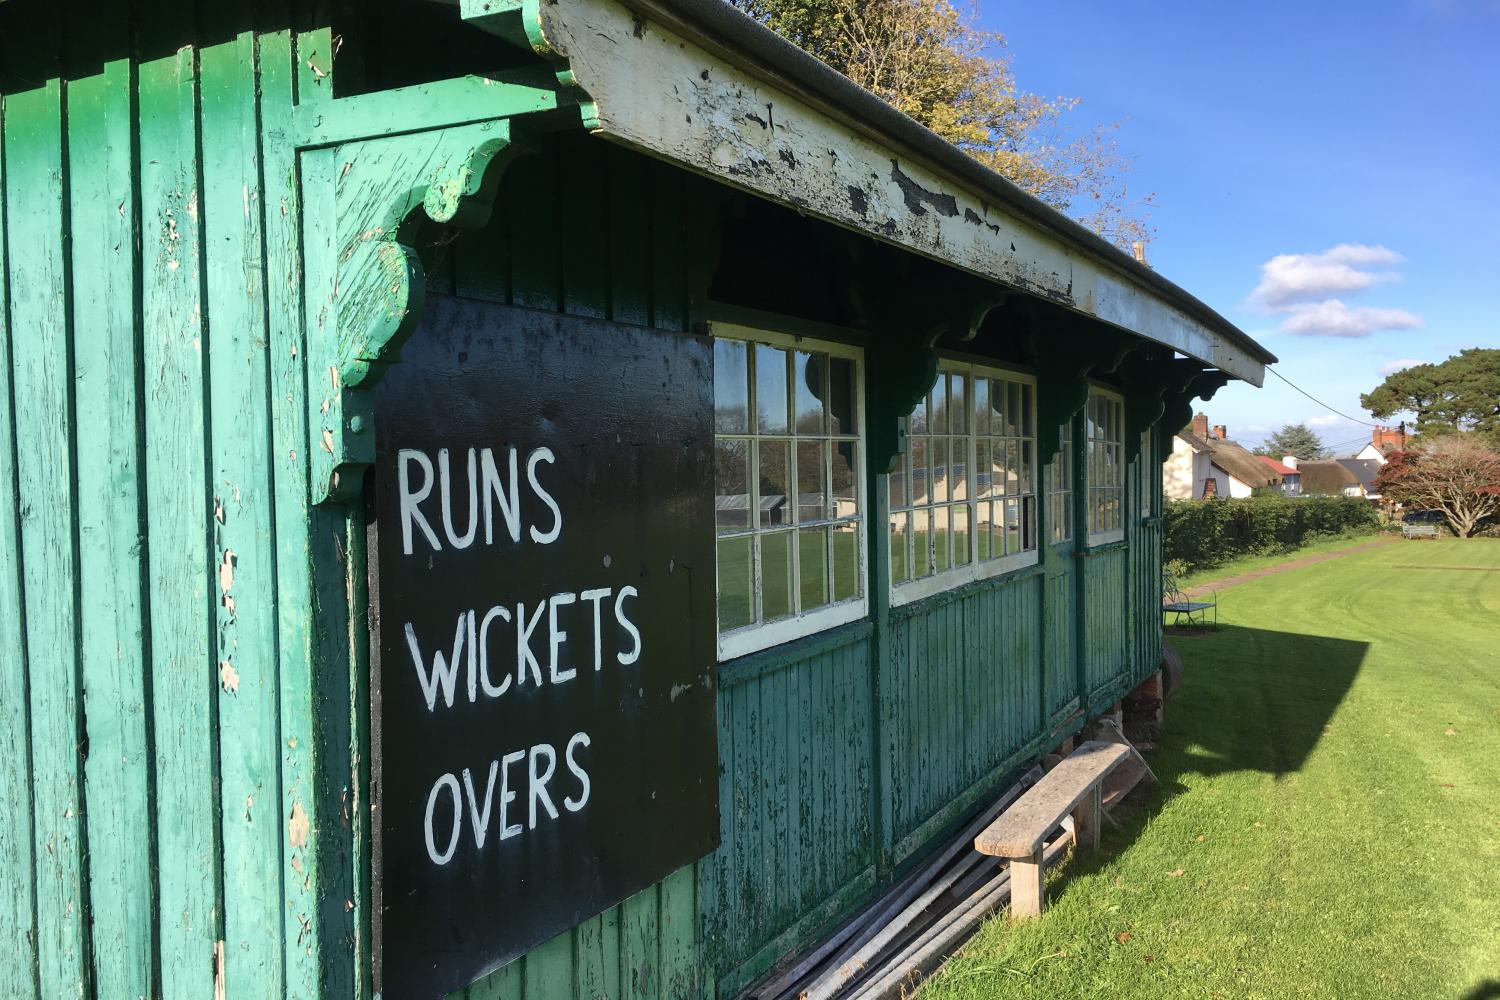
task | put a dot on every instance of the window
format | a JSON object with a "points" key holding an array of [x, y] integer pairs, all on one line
{"points": [[1060, 487], [788, 474], [963, 497], [1106, 468]]}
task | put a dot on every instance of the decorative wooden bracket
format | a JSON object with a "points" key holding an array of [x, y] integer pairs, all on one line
{"points": [[1067, 353], [910, 318], [1178, 402], [524, 23], [365, 201], [1148, 377]]}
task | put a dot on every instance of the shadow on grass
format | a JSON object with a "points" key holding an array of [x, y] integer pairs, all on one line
{"points": [[1487, 990], [1250, 700], [1254, 700]]}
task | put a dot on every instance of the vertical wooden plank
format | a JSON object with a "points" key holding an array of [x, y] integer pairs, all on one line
{"points": [[669, 291], [535, 258], [773, 710], [930, 668], [107, 367], [598, 950], [714, 869], [183, 675], [358, 903], [909, 760], [17, 864], [547, 970], [41, 355], [835, 684], [904, 780], [743, 887], [244, 543], [979, 669], [851, 774], [682, 967], [585, 270], [282, 215], [315, 55], [814, 850], [640, 963], [857, 670], [630, 263], [317, 714], [897, 725]]}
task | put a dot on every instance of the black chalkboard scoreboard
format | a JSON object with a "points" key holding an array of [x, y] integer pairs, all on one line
{"points": [[542, 632]]}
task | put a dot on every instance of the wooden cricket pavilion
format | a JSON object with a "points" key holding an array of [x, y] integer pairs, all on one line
{"points": [[531, 499]]}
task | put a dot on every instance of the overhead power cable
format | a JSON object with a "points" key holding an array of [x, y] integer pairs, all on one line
{"points": [[1348, 444], [1315, 399]]}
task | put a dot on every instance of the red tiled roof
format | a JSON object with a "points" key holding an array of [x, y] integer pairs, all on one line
{"points": [[1277, 467]]}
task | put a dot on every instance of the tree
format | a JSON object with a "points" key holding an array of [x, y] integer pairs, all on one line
{"points": [[1459, 394], [1294, 439], [929, 60], [1454, 473]]}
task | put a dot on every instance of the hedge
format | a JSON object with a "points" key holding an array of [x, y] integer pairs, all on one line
{"points": [[1204, 533]]}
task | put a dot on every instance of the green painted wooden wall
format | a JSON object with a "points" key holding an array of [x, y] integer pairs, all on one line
{"points": [[183, 724], [177, 791]]}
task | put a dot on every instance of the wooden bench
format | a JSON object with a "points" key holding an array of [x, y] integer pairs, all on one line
{"points": [[1419, 531], [1072, 787]]}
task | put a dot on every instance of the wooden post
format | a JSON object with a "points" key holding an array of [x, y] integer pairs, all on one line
{"points": [[1026, 895], [1086, 821]]}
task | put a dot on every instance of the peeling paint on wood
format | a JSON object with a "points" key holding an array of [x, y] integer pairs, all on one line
{"points": [[297, 826], [656, 90]]}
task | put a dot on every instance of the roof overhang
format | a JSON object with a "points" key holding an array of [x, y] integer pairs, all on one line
{"points": [[697, 83]]}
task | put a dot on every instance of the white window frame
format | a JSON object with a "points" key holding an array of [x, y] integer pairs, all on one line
{"points": [[1151, 499], [958, 576], [757, 636], [1060, 499], [1121, 486]]}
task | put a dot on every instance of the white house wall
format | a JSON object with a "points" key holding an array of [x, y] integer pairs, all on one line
{"points": [[1178, 472]]}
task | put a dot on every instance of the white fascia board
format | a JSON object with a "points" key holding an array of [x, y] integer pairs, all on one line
{"points": [[649, 87]]}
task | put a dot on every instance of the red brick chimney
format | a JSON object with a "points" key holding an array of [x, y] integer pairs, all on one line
{"points": [[1220, 431], [1388, 439], [1200, 425]]}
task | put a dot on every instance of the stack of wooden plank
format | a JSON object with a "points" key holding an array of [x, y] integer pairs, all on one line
{"points": [[905, 933]]}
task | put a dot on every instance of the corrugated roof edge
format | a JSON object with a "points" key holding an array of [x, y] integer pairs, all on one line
{"points": [[736, 31]]}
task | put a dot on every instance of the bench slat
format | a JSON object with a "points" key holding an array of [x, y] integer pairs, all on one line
{"points": [[1021, 830]]}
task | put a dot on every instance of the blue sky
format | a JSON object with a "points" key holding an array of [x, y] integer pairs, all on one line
{"points": [[1300, 153]]}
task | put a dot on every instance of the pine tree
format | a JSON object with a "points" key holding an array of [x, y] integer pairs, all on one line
{"points": [[1298, 440]]}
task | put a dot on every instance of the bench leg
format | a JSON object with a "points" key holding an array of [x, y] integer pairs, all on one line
{"points": [[1086, 821], [1026, 876]]}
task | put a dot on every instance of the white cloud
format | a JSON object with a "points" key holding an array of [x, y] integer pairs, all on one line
{"points": [[1327, 420], [1302, 288], [1335, 319], [1300, 277], [1392, 367]]}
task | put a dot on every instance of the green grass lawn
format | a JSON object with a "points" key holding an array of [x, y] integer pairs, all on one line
{"points": [[1329, 819]]}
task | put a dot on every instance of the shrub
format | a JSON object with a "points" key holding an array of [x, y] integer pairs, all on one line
{"points": [[1205, 533]]}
